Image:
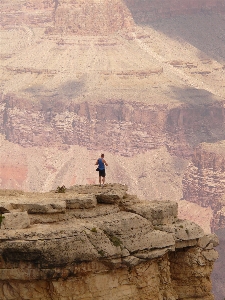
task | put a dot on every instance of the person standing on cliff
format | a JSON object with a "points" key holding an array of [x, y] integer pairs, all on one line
{"points": [[101, 163]]}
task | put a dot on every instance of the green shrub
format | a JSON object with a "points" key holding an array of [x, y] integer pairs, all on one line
{"points": [[61, 189]]}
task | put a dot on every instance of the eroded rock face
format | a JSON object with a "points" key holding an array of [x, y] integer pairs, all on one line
{"points": [[204, 181], [91, 17], [101, 14], [128, 249], [45, 124]]}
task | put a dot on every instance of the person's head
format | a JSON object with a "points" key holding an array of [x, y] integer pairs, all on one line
{"points": [[102, 155]]}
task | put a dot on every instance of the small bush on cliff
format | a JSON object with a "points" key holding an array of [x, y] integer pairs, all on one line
{"points": [[101, 252], [115, 240], [61, 189]]}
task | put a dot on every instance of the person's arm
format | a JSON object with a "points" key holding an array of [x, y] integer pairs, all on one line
{"points": [[105, 162], [96, 162]]}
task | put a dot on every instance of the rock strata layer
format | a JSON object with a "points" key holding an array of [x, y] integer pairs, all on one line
{"points": [[141, 127], [204, 181], [100, 243]]}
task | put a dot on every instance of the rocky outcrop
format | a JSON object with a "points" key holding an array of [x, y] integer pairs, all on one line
{"points": [[100, 243], [204, 181]]}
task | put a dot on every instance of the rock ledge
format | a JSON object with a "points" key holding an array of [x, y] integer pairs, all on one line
{"points": [[100, 243]]}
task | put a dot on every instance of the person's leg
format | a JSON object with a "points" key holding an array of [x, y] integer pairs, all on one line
{"points": [[103, 177], [100, 180]]}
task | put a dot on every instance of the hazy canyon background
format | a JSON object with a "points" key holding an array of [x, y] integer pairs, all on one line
{"points": [[142, 81]]}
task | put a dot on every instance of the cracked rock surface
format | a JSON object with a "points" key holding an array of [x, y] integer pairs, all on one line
{"points": [[96, 242]]}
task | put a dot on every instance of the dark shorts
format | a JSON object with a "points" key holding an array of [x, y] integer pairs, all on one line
{"points": [[102, 173]]}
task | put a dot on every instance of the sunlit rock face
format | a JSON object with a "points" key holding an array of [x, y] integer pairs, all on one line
{"points": [[91, 17], [96, 242]]}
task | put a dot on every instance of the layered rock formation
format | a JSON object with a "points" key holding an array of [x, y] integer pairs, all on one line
{"points": [[100, 243], [43, 124], [80, 77], [91, 17], [22, 12], [104, 12], [63, 86], [204, 183]]}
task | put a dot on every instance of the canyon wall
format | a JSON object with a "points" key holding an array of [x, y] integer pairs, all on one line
{"points": [[124, 128], [22, 12], [105, 16], [101, 243], [146, 97], [204, 181]]}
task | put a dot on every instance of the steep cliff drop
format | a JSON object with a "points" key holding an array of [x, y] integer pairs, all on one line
{"points": [[101, 243], [79, 77], [217, 279], [204, 183]]}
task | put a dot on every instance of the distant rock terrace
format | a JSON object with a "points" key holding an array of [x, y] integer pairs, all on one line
{"points": [[100, 243]]}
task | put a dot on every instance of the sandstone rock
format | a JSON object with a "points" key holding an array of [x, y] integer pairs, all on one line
{"points": [[132, 261], [129, 200], [108, 198], [99, 211], [81, 201], [111, 196], [188, 270], [154, 253], [103, 244], [184, 230], [40, 208], [125, 229], [15, 220], [102, 251], [158, 212], [187, 243], [208, 239], [210, 255]]}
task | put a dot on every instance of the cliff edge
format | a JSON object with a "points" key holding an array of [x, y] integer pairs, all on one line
{"points": [[100, 243]]}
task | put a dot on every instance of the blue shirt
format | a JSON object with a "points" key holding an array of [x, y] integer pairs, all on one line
{"points": [[101, 164]]}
